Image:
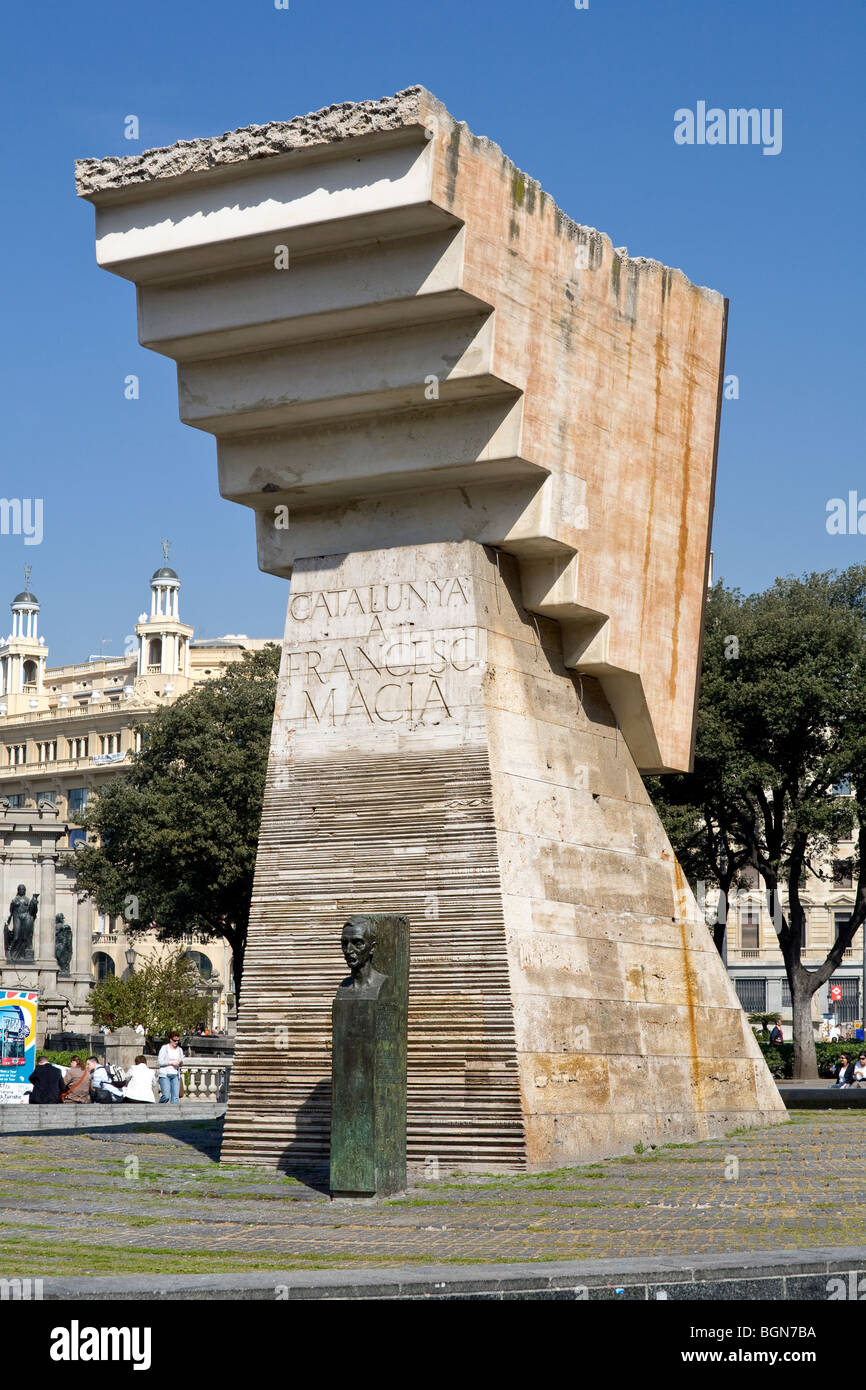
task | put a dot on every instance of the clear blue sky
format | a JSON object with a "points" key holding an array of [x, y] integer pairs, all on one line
{"points": [[582, 100]]}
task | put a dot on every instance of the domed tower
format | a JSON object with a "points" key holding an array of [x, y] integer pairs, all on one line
{"points": [[23, 655], [163, 640]]}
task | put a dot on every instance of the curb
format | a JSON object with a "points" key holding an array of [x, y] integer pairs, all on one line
{"points": [[778, 1275]]}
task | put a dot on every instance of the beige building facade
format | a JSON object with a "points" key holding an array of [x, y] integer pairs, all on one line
{"points": [[755, 961], [66, 731]]}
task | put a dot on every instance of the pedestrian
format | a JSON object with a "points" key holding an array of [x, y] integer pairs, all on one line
{"points": [[76, 1083], [835, 1033], [139, 1082], [170, 1061], [777, 1036], [47, 1082]]}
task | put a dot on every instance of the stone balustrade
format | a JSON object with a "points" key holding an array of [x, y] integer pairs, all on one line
{"points": [[209, 1082]]}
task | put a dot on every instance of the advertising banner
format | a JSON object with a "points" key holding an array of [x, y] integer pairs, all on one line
{"points": [[17, 1043]]}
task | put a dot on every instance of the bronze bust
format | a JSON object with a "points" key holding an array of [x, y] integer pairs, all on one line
{"points": [[358, 943]]}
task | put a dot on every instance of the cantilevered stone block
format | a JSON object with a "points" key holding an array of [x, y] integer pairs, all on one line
{"points": [[481, 442]]}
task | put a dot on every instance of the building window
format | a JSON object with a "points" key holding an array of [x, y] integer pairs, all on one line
{"points": [[103, 966], [48, 796], [31, 673], [77, 800], [17, 754], [78, 747], [752, 994], [848, 1007], [154, 655], [137, 740], [750, 925], [16, 801], [786, 993], [109, 743], [842, 787], [47, 752], [843, 876]]}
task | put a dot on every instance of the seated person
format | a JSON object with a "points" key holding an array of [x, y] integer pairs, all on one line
{"points": [[139, 1082], [844, 1071], [47, 1081], [860, 1069], [102, 1087], [76, 1083]]}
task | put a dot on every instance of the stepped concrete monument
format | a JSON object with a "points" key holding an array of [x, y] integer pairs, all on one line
{"points": [[481, 442]]}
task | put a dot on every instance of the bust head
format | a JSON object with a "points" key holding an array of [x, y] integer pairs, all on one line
{"points": [[358, 943]]}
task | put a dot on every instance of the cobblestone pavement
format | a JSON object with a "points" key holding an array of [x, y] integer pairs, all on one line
{"points": [[157, 1200]]}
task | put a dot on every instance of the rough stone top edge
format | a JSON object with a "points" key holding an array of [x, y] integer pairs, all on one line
{"points": [[116, 174], [329, 125]]}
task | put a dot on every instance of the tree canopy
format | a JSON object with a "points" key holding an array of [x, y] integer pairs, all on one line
{"points": [[781, 723], [161, 995], [172, 842]]}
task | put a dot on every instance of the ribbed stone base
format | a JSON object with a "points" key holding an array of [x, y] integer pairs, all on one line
{"points": [[433, 756]]}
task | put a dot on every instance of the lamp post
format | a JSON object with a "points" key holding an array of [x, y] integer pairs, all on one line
{"points": [[131, 957]]}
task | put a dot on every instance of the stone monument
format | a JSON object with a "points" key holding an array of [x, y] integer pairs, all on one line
{"points": [[18, 931], [42, 950], [368, 1067], [481, 441]]}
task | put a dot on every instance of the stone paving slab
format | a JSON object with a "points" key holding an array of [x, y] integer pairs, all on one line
{"points": [[156, 1201]]}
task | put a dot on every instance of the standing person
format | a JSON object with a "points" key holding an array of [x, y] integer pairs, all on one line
{"points": [[139, 1082], [76, 1085], [170, 1061], [777, 1036], [835, 1033], [47, 1083]]}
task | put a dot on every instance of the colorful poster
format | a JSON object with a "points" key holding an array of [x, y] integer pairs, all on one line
{"points": [[17, 1044]]}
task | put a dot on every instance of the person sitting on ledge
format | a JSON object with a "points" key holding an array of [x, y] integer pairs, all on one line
{"points": [[139, 1082], [76, 1084], [47, 1082], [102, 1088], [844, 1071]]}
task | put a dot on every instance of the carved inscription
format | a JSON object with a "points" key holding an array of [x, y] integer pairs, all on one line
{"points": [[392, 669]]}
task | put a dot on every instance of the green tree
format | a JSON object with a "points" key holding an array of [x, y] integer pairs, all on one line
{"points": [[161, 995], [781, 722], [172, 842]]}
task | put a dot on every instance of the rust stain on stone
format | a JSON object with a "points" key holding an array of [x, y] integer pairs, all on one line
{"points": [[690, 994]]}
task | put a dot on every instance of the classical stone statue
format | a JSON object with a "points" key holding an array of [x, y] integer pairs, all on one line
{"points": [[62, 943], [18, 941], [358, 944]]}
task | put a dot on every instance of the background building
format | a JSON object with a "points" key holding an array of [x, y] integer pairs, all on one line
{"points": [[65, 731], [755, 961]]}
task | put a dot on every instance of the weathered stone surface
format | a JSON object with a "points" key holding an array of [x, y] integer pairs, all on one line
{"points": [[342, 121], [562, 1006], [445, 356]]}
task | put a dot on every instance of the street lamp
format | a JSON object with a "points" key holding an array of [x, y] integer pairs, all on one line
{"points": [[130, 957]]}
